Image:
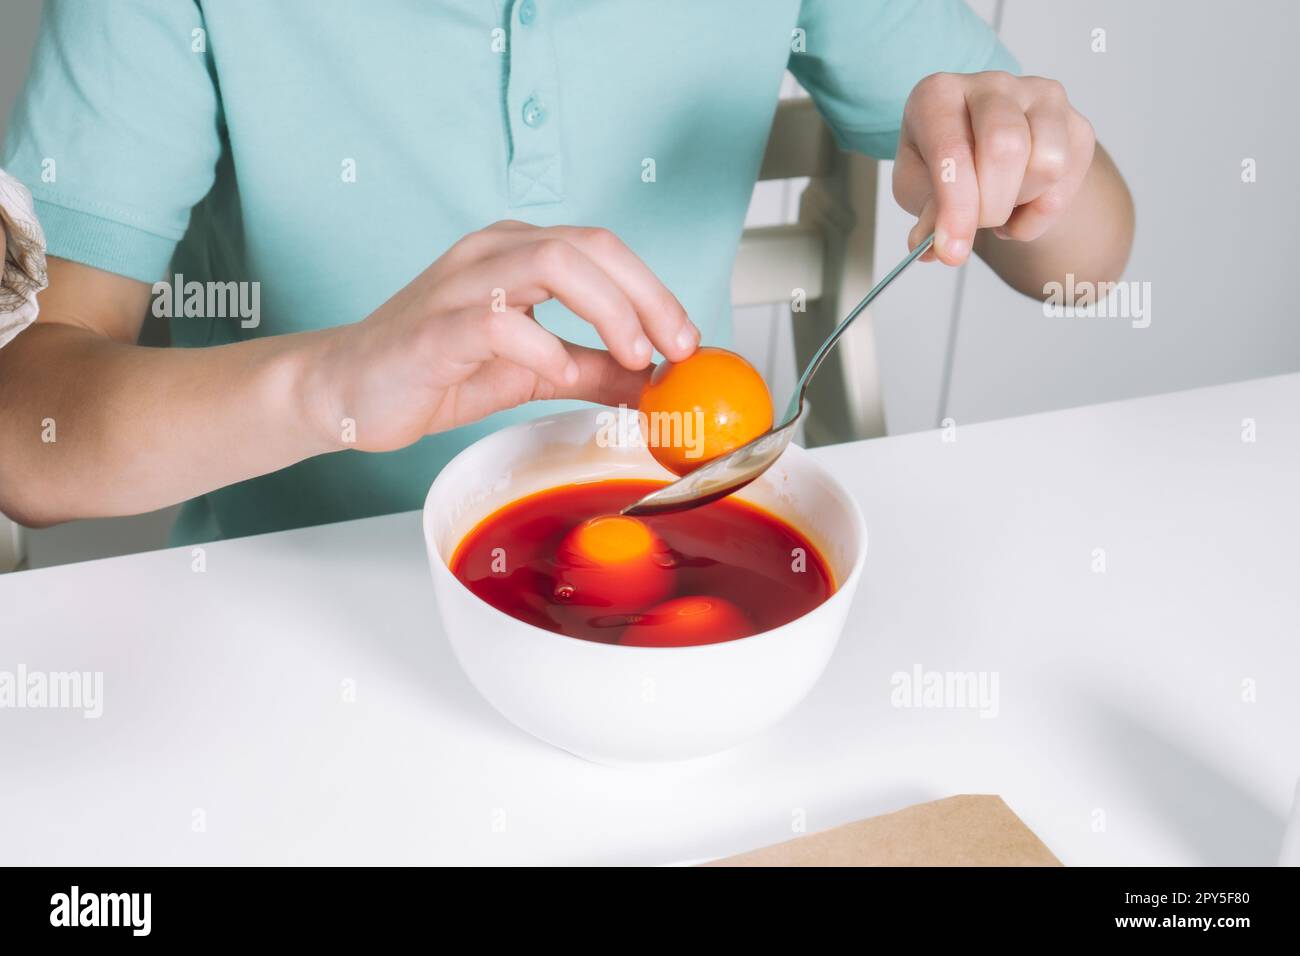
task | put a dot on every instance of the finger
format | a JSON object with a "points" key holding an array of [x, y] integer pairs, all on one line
{"points": [[500, 383], [940, 132], [1002, 147], [662, 316], [1033, 219], [535, 271], [480, 245], [600, 379], [480, 335], [1049, 151], [911, 179], [924, 226]]}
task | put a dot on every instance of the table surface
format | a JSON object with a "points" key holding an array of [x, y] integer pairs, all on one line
{"points": [[1146, 713]]}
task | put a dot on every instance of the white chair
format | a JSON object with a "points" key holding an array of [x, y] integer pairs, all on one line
{"points": [[12, 552], [828, 254]]}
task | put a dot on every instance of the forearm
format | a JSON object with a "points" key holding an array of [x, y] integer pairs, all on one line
{"points": [[90, 427], [1092, 238]]}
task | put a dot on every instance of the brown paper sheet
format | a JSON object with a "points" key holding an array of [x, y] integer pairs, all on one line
{"points": [[968, 830]]}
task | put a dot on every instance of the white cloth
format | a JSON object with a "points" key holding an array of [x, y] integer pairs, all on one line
{"points": [[24, 259]]}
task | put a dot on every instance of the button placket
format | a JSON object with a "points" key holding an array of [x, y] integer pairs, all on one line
{"points": [[535, 173]]}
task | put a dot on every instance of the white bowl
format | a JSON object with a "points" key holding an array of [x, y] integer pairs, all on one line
{"points": [[611, 703]]}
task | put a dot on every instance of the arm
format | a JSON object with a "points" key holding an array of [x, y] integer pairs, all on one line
{"points": [[134, 428], [1092, 238], [140, 428], [1004, 165]]}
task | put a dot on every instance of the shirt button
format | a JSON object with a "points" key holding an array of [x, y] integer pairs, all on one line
{"points": [[527, 12], [534, 112]]}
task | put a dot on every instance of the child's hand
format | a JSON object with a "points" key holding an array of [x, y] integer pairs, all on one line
{"points": [[988, 150], [460, 341]]}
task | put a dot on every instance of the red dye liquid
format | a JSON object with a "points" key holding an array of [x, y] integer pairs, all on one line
{"points": [[734, 553]]}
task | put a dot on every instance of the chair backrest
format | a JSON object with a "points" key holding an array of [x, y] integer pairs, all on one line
{"points": [[12, 549], [820, 266]]}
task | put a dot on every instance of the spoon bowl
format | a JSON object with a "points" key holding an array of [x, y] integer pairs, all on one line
{"points": [[718, 478], [739, 467]]}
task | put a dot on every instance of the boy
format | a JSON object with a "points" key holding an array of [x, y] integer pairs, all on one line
{"points": [[340, 166]]}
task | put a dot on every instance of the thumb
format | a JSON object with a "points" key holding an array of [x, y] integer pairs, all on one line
{"points": [[602, 379], [924, 226]]}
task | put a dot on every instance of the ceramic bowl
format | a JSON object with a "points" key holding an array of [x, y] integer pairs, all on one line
{"points": [[618, 704]]}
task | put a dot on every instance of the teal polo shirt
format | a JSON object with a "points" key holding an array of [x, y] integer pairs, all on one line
{"points": [[330, 150]]}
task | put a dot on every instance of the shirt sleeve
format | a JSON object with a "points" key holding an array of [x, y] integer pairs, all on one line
{"points": [[117, 131], [861, 58]]}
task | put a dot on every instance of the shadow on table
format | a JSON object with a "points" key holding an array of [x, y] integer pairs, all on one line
{"points": [[1220, 821]]}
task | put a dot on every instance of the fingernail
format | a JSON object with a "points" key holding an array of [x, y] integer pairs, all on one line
{"points": [[941, 241], [1001, 233], [642, 348], [686, 339], [957, 248], [571, 373]]}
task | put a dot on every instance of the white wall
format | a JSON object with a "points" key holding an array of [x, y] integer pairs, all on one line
{"points": [[1184, 92]]}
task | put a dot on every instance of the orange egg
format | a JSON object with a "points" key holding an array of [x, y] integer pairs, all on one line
{"points": [[684, 621], [702, 407], [614, 562]]}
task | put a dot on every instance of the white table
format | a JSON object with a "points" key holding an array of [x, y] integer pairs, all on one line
{"points": [[1122, 734]]}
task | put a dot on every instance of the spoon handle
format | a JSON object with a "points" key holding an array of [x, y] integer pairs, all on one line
{"points": [[802, 385]]}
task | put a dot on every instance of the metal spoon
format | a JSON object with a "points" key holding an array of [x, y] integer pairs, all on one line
{"points": [[739, 467]]}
